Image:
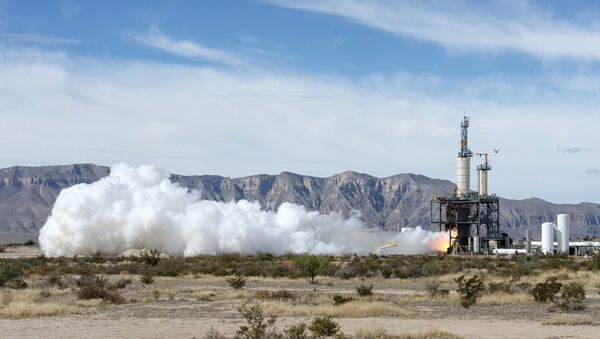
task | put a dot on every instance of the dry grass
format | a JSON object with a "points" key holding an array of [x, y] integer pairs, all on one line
{"points": [[32, 303], [25, 295], [204, 295], [353, 309], [502, 298], [379, 333], [28, 309], [571, 320]]}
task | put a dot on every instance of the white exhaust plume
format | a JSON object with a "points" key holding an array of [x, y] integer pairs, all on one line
{"points": [[139, 207]]}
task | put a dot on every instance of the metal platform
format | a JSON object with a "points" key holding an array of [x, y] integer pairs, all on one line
{"points": [[467, 217]]}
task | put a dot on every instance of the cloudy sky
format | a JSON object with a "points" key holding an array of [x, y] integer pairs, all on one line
{"points": [[315, 87]]}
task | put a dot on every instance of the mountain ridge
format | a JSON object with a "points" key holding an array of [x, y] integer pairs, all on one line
{"points": [[27, 194]]}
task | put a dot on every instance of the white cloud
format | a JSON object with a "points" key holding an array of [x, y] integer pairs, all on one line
{"points": [[189, 49], [36, 38], [58, 108], [479, 26]]}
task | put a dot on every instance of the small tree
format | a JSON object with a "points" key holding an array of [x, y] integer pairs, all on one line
{"points": [[310, 265], [469, 290], [257, 327]]}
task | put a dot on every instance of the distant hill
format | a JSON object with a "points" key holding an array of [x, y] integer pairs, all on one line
{"points": [[27, 195]]}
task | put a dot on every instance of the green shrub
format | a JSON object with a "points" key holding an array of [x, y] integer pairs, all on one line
{"points": [[324, 326], [86, 280], [338, 299], [432, 286], [257, 326], [546, 291], [17, 284], [147, 279], [571, 297], [151, 257], [297, 331], [469, 290], [213, 333], [10, 271], [97, 290], [237, 281], [55, 280], [364, 290]]}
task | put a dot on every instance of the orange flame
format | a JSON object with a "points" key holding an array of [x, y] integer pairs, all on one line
{"points": [[441, 243]]}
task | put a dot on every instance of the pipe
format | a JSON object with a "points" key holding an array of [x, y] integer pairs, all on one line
{"points": [[508, 251]]}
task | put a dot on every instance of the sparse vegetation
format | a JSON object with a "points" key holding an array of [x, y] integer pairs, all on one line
{"points": [[151, 257], [11, 275], [546, 291], [379, 333], [571, 320], [213, 333], [95, 288], [122, 283], [297, 331], [25, 309], [257, 326], [324, 326], [469, 290], [237, 282], [156, 295], [147, 279], [282, 295], [432, 286], [338, 299], [571, 297], [204, 295], [364, 290], [310, 265]]}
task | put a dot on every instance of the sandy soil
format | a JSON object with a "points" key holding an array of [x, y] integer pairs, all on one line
{"points": [[20, 252], [104, 327]]}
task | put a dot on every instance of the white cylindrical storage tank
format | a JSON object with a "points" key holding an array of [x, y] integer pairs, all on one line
{"points": [[483, 183], [547, 238], [463, 176], [476, 244], [562, 221]]}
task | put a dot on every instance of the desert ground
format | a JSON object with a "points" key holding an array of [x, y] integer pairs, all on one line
{"points": [[187, 306]]}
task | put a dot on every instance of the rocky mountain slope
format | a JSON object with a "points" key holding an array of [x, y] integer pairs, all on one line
{"points": [[27, 195]]}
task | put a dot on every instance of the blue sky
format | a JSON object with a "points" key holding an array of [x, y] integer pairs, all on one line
{"points": [[315, 87]]}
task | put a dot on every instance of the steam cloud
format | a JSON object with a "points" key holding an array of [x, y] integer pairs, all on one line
{"points": [[139, 207]]}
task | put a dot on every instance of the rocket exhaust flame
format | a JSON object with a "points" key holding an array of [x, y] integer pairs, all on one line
{"points": [[138, 207]]}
